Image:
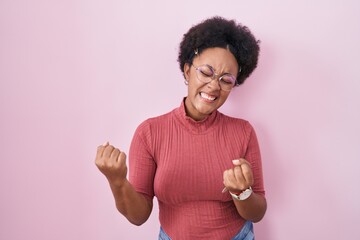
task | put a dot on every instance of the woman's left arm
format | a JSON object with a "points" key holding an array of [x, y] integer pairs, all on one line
{"points": [[238, 179], [252, 208], [247, 172]]}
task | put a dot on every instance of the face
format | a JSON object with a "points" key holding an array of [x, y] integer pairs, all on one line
{"points": [[204, 98]]}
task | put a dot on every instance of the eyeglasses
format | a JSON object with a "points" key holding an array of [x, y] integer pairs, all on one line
{"points": [[206, 74]]}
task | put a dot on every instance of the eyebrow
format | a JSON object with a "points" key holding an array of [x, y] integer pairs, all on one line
{"points": [[212, 68]]}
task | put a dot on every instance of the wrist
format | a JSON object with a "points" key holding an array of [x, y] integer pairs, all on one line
{"points": [[117, 183], [242, 195]]}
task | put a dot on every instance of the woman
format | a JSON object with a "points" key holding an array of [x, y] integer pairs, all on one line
{"points": [[204, 167]]}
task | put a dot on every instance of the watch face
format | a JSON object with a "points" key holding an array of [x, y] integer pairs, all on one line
{"points": [[242, 196], [245, 194]]}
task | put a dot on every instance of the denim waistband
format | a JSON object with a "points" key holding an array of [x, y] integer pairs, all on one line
{"points": [[246, 233], [163, 235]]}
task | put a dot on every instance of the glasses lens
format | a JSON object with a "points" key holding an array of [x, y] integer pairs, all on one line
{"points": [[227, 82], [205, 74]]}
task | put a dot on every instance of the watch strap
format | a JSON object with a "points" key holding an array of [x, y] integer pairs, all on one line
{"points": [[243, 195]]}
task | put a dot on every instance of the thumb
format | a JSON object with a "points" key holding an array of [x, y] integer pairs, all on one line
{"points": [[236, 162], [240, 161]]}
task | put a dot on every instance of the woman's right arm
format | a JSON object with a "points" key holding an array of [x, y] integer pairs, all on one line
{"points": [[133, 205]]}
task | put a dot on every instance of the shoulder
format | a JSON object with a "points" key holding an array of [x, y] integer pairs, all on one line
{"points": [[155, 122], [234, 124], [233, 121]]}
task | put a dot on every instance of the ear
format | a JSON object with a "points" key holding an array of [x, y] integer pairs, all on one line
{"points": [[187, 71]]}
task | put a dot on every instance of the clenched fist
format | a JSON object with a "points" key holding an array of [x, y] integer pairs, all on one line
{"points": [[112, 163], [240, 177]]}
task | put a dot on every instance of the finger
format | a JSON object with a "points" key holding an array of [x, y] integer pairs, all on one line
{"points": [[240, 161], [247, 174], [240, 179], [122, 158], [100, 151], [238, 174], [236, 162], [108, 150], [244, 161], [229, 179], [226, 178], [103, 145], [247, 171], [114, 155]]}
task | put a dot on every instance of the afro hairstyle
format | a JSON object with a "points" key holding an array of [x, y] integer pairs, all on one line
{"points": [[223, 33]]}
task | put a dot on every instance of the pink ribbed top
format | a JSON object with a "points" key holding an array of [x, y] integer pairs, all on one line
{"points": [[181, 162]]}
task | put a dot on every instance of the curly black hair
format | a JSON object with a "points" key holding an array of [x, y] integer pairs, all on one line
{"points": [[220, 32]]}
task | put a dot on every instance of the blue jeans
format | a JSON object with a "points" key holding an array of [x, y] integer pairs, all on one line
{"points": [[246, 233]]}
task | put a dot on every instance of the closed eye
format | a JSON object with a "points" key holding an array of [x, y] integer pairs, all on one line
{"points": [[227, 79], [206, 73]]}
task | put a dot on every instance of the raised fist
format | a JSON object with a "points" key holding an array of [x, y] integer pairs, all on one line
{"points": [[112, 163], [240, 177]]}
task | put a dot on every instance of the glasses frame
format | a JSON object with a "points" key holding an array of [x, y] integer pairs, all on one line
{"points": [[214, 76]]}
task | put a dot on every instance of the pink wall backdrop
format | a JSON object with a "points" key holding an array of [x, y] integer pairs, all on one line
{"points": [[74, 74]]}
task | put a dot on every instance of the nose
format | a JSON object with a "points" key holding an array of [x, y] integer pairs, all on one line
{"points": [[214, 83]]}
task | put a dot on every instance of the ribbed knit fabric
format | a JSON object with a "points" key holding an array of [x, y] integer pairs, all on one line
{"points": [[181, 162]]}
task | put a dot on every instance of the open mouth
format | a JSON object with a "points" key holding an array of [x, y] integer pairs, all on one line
{"points": [[207, 96]]}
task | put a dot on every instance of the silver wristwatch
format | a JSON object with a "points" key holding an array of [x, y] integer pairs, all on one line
{"points": [[243, 195]]}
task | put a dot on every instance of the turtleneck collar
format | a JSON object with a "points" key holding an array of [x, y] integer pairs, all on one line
{"points": [[197, 127]]}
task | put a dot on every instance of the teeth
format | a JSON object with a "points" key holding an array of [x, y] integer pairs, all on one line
{"points": [[204, 95]]}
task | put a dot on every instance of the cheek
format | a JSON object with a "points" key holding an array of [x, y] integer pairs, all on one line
{"points": [[224, 96], [194, 87]]}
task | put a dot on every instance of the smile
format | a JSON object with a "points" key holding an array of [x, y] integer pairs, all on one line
{"points": [[207, 96]]}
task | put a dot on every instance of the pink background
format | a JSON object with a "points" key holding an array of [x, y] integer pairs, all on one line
{"points": [[74, 74]]}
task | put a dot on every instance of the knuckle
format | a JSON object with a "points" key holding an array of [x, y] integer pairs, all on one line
{"points": [[227, 173], [247, 171], [109, 147], [237, 169], [98, 161], [243, 186], [99, 165]]}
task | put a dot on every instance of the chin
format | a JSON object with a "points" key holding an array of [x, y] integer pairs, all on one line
{"points": [[207, 111]]}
